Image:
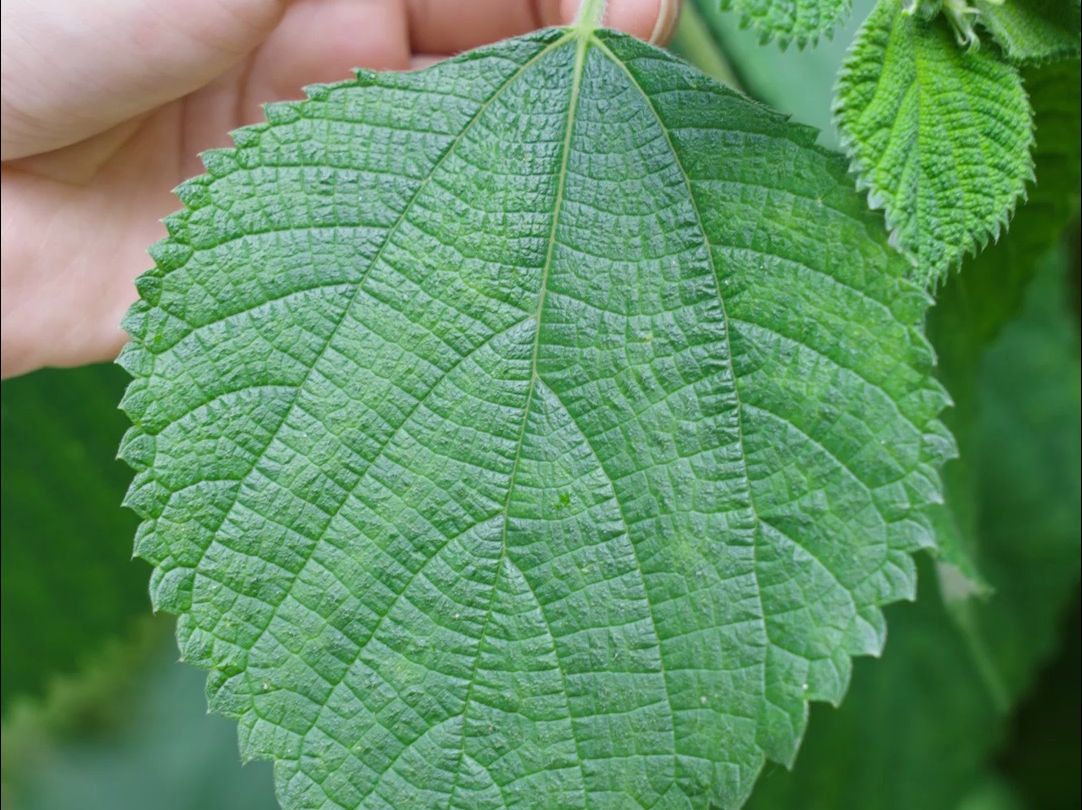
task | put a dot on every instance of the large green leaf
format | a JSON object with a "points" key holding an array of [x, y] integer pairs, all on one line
{"points": [[547, 426], [938, 135], [68, 580]]}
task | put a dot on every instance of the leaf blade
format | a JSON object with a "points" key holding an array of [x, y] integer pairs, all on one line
{"points": [[462, 568]]}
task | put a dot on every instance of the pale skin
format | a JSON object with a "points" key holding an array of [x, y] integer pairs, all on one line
{"points": [[107, 103]]}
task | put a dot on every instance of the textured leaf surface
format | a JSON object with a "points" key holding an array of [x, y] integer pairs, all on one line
{"points": [[1033, 30], [942, 687], [937, 134], [68, 581], [508, 432], [800, 21]]}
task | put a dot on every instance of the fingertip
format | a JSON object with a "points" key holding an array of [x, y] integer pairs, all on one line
{"points": [[651, 20]]}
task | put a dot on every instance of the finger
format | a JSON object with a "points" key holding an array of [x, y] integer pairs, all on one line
{"points": [[439, 27], [322, 41], [73, 68], [70, 254], [651, 20]]}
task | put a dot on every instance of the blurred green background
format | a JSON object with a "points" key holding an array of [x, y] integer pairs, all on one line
{"points": [[974, 705]]}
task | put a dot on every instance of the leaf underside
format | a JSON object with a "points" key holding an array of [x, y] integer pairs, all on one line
{"points": [[799, 21], [937, 134], [546, 426]]}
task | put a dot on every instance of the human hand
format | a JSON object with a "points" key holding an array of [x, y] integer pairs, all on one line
{"points": [[106, 105]]}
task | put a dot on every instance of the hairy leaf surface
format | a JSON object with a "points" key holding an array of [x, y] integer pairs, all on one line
{"points": [[1033, 30], [938, 135], [800, 21], [511, 432]]}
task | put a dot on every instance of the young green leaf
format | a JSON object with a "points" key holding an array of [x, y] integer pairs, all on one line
{"points": [[800, 21], [509, 432], [1033, 30], [938, 135]]}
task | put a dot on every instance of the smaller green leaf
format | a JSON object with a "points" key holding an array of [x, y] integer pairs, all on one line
{"points": [[939, 136], [799, 21], [1032, 30]]}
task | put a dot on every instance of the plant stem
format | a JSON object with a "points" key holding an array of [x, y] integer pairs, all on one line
{"points": [[694, 41], [590, 15]]}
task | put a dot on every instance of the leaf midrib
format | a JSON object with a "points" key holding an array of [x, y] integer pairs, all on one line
{"points": [[581, 48]]}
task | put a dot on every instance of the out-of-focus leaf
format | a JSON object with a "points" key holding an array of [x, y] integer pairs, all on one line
{"points": [[799, 83], [68, 580], [799, 21], [1045, 747], [993, 794], [1025, 449], [1032, 30], [129, 733]]}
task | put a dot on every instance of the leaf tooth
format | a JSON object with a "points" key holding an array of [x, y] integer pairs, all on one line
{"points": [[176, 225], [901, 573], [148, 544], [137, 449], [146, 496], [876, 628], [168, 255], [828, 677], [319, 91], [149, 287], [247, 137], [282, 112], [171, 591], [134, 359], [194, 193], [136, 400], [913, 534], [135, 320], [939, 446], [219, 162], [224, 697], [924, 489]]}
